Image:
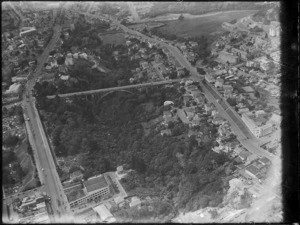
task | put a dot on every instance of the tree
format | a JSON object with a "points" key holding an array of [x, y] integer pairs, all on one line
{"points": [[257, 94], [181, 17], [10, 140]]}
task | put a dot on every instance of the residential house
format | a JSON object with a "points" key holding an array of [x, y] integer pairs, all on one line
{"points": [[190, 113], [242, 54], [193, 43], [244, 154], [218, 119], [210, 78], [209, 107], [265, 161], [219, 82], [192, 89], [200, 98], [252, 171], [228, 89], [135, 202], [144, 65], [187, 98]]}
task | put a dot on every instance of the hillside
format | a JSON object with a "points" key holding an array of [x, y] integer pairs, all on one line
{"points": [[197, 8]]}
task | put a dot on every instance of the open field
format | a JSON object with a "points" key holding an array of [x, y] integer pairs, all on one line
{"points": [[204, 25], [114, 39]]}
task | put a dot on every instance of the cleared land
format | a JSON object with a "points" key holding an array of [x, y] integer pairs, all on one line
{"points": [[202, 25], [114, 39]]}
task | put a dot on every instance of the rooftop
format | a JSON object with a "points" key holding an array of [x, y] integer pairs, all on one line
{"points": [[252, 169], [95, 183]]}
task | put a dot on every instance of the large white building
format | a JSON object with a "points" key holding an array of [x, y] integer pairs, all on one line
{"points": [[258, 131]]}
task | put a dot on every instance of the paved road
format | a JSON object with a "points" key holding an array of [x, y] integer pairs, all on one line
{"points": [[51, 179], [114, 88]]}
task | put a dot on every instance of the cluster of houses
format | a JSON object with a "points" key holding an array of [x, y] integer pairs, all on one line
{"points": [[187, 50], [33, 209]]}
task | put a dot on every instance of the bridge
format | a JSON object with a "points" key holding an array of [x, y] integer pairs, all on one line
{"points": [[114, 89]]}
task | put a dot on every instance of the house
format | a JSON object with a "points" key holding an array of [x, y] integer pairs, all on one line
{"points": [[135, 202], [228, 89], [219, 82], [187, 98], [76, 175], [248, 89], [218, 119], [144, 64], [244, 154], [200, 98], [209, 107], [193, 43], [210, 78], [265, 161], [64, 77], [251, 158], [252, 171]]}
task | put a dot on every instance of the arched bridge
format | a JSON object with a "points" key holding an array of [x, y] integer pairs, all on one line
{"points": [[114, 89]]}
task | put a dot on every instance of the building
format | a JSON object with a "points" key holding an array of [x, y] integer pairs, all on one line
{"points": [[275, 119], [105, 214], [91, 189], [219, 82], [257, 129], [244, 154], [14, 90], [210, 78], [275, 56], [228, 89], [135, 202], [239, 53], [47, 77], [28, 32], [252, 171], [228, 57]]}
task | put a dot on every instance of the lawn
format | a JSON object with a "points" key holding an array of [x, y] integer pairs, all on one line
{"points": [[202, 25]]}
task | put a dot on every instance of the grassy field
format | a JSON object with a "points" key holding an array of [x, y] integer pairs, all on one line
{"points": [[114, 39], [202, 25]]}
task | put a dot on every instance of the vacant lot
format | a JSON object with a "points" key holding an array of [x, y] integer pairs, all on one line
{"points": [[202, 25], [114, 39]]}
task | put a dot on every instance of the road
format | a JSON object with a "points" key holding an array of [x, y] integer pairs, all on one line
{"points": [[47, 167], [114, 88], [16, 11]]}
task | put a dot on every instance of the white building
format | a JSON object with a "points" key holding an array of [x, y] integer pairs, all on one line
{"points": [[258, 131], [104, 214]]}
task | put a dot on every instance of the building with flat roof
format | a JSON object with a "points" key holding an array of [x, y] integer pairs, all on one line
{"points": [[89, 190], [256, 127]]}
